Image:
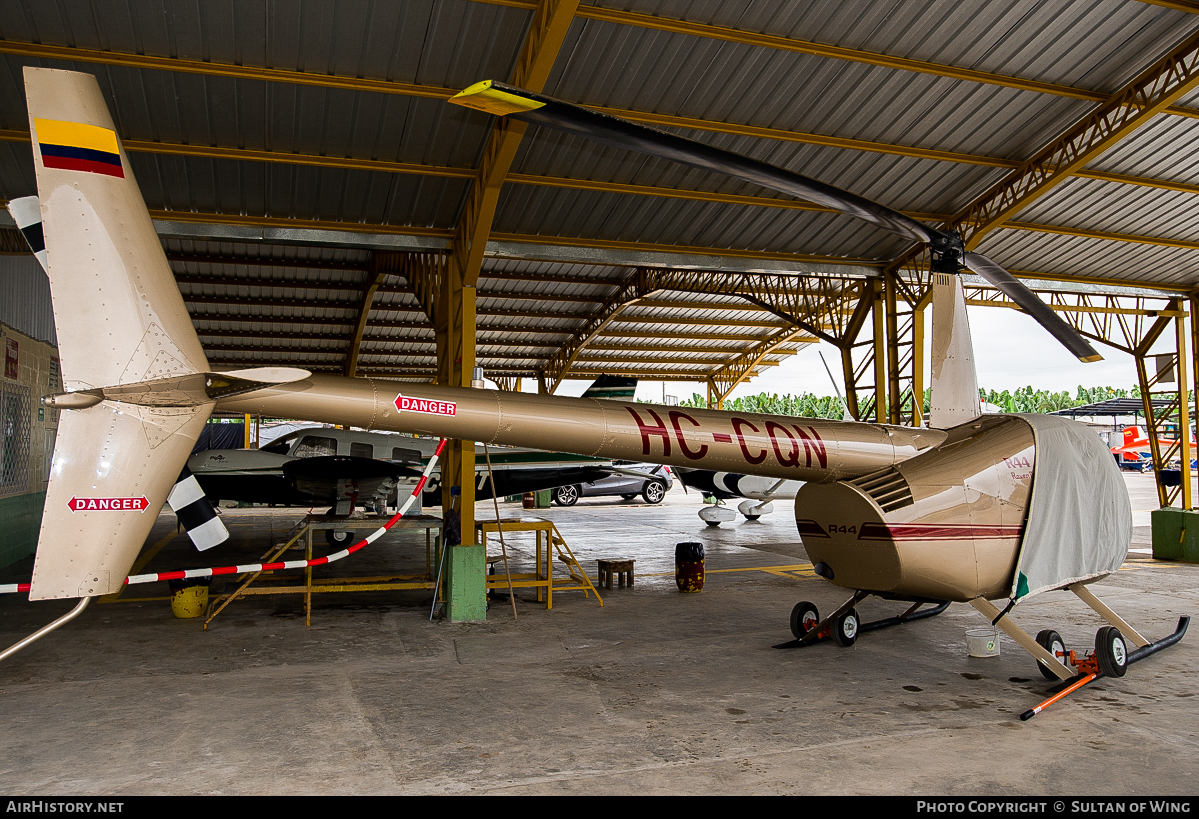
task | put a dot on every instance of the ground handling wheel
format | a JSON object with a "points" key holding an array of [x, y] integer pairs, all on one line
{"points": [[845, 628], [1111, 652], [1052, 642], [804, 618]]}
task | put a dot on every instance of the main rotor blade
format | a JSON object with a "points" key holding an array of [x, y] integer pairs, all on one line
{"points": [[502, 100], [1015, 290], [507, 100]]}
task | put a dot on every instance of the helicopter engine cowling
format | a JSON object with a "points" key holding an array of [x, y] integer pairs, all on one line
{"points": [[944, 525]]}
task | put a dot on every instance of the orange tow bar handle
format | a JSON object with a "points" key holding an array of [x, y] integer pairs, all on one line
{"points": [[1027, 715]]}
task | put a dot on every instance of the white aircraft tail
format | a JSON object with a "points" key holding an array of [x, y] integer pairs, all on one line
{"points": [[138, 384]]}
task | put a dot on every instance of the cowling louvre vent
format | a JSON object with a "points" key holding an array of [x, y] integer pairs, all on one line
{"points": [[887, 488]]}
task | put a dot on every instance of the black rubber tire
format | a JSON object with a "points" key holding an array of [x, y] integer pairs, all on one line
{"points": [[1111, 652], [712, 522], [654, 492], [1052, 642], [629, 497], [567, 495], [803, 612], [752, 517], [845, 628], [335, 537]]}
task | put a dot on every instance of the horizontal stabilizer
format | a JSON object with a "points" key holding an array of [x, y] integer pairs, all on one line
{"points": [[269, 375], [180, 391]]}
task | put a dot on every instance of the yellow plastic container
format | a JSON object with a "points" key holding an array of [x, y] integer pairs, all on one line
{"points": [[189, 602]]}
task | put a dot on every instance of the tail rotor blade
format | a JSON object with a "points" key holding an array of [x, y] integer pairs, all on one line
{"points": [[1015, 290]]}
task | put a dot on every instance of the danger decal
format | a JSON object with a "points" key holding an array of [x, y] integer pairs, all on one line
{"points": [[424, 405], [108, 504]]}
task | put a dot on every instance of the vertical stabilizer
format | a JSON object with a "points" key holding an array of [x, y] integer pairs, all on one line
{"points": [[117, 310], [120, 320], [955, 381]]}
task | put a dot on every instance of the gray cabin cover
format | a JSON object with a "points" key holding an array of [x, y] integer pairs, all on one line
{"points": [[1079, 519]]}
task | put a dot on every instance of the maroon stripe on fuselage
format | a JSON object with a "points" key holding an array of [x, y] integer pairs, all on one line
{"points": [[916, 531]]}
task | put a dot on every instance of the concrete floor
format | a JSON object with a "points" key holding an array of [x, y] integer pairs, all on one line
{"points": [[655, 693]]}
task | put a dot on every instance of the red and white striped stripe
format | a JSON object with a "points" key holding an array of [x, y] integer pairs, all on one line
{"points": [[270, 567]]}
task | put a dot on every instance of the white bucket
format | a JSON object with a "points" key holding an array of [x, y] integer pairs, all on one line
{"points": [[982, 642]]}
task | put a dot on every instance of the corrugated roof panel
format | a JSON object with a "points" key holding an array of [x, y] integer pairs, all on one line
{"points": [[1079, 43], [25, 303], [1115, 208], [1099, 258]]}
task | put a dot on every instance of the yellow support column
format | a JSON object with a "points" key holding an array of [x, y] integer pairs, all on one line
{"points": [[464, 591], [918, 366], [1184, 414], [878, 314]]}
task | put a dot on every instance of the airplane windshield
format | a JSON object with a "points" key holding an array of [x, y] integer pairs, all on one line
{"points": [[281, 445]]}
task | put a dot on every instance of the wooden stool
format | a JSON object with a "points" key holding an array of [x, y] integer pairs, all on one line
{"points": [[622, 568]]}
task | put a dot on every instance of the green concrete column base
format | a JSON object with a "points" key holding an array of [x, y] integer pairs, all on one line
{"points": [[20, 520], [465, 583]]}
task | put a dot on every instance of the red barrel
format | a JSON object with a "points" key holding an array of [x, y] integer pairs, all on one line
{"points": [[689, 567]]}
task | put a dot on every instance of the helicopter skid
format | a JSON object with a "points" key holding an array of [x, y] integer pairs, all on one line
{"points": [[823, 631]]}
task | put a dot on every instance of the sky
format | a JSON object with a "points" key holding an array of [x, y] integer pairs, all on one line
{"points": [[1011, 351]]}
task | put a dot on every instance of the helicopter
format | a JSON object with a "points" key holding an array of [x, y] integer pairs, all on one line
{"points": [[973, 509]]}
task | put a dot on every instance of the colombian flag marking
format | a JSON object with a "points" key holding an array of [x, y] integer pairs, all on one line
{"points": [[73, 146]]}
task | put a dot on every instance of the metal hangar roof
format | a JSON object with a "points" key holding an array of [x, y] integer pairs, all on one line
{"points": [[299, 159]]}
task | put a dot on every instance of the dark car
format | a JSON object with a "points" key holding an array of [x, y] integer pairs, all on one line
{"points": [[650, 481]]}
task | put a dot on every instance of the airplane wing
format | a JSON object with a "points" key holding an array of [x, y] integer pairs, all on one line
{"points": [[333, 479], [520, 481]]}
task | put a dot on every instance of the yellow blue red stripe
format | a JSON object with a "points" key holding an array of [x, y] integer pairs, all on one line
{"points": [[74, 146]]}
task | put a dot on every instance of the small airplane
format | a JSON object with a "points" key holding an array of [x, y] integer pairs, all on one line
{"points": [[922, 516], [1135, 451], [349, 469], [759, 493]]}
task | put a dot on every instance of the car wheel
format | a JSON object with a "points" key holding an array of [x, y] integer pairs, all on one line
{"points": [[567, 495], [654, 492]]}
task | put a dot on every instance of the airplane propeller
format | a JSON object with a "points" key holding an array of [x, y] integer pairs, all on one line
{"points": [[948, 252]]}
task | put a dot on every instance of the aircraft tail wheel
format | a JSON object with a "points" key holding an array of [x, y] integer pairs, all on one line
{"points": [[1111, 652], [845, 628], [1052, 642], [804, 618]]}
